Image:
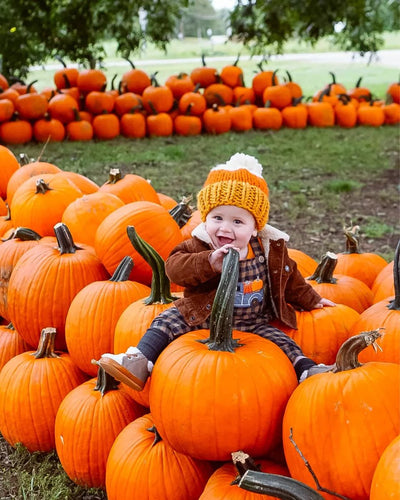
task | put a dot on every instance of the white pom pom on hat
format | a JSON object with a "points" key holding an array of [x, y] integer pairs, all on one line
{"points": [[241, 160]]}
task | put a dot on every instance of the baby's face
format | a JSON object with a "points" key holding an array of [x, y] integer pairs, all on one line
{"points": [[228, 224]]}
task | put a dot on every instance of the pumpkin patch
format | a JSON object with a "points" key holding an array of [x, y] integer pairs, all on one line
{"points": [[80, 107], [96, 278]]}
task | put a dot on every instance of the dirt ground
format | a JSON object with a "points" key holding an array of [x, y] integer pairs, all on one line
{"points": [[318, 230]]}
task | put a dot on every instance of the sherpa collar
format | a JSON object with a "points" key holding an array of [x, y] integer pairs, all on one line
{"points": [[266, 234]]}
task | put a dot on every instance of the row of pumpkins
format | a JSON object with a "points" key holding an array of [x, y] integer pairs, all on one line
{"points": [[79, 107], [82, 273]]}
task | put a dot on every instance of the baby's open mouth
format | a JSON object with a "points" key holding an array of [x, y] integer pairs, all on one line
{"points": [[222, 240]]}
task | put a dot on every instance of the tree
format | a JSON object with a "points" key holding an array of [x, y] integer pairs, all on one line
{"points": [[271, 23], [199, 17], [33, 31]]}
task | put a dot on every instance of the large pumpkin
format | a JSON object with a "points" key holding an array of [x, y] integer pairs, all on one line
{"points": [[152, 222], [44, 282], [385, 482], [364, 266], [336, 422], [9, 165], [88, 420], [141, 466], [41, 200], [216, 391], [94, 312], [32, 386]]}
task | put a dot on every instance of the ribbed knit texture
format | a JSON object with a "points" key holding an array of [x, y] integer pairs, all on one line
{"points": [[238, 187]]}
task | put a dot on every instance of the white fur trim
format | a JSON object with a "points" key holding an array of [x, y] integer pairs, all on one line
{"points": [[240, 160], [267, 233]]}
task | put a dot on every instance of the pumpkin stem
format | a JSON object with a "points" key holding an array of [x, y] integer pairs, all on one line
{"points": [[105, 382], [114, 176], [324, 271], [352, 241], [157, 437], [243, 462], [160, 284], [222, 310], [394, 304], [64, 239], [23, 234], [24, 159], [123, 270], [182, 211], [42, 187], [277, 486], [347, 356], [46, 344]]}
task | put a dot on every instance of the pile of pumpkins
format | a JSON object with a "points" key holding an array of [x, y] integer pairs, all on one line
{"points": [[82, 273], [79, 107]]}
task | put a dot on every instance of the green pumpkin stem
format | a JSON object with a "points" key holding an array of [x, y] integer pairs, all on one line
{"points": [[222, 310], [160, 284], [352, 241], [64, 239], [277, 486], [394, 304], [46, 344], [347, 356], [104, 382], [123, 270], [324, 271], [182, 211]]}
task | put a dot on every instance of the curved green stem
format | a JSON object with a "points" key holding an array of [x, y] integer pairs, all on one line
{"points": [[160, 284]]}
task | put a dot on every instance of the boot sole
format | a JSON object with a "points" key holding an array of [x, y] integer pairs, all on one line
{"points": [[121, 374]]}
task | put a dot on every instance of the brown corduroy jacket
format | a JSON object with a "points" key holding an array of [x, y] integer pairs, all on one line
{"points": [[188, 266]]}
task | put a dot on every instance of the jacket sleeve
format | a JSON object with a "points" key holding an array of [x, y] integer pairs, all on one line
{"points": [[188, 264]]}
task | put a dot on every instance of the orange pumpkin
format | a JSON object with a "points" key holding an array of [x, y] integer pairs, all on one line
{"points": [[112, 242], [105, 408], [204, 75], [340, 288], [48, 129], [220, 359], [27, 171], [11, 344], [9, 165], [32, 386], [41, 200], [137, 452], [45, 280], [343, 411], [385, 481], [364, 266], [84, 215], [94, 312], [129, 187]]}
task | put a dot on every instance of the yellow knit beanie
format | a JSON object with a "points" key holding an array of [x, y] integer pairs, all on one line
{"points": [[237, 182]]}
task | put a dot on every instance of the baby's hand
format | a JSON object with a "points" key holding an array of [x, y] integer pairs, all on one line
{"points": [[216, 258], [324, 303]]}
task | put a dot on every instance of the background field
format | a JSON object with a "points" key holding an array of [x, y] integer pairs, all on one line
{"points": [[319, 180], [310, 73]]}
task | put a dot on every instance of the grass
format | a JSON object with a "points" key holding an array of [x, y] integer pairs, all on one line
{"points": [[309, 172]]}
